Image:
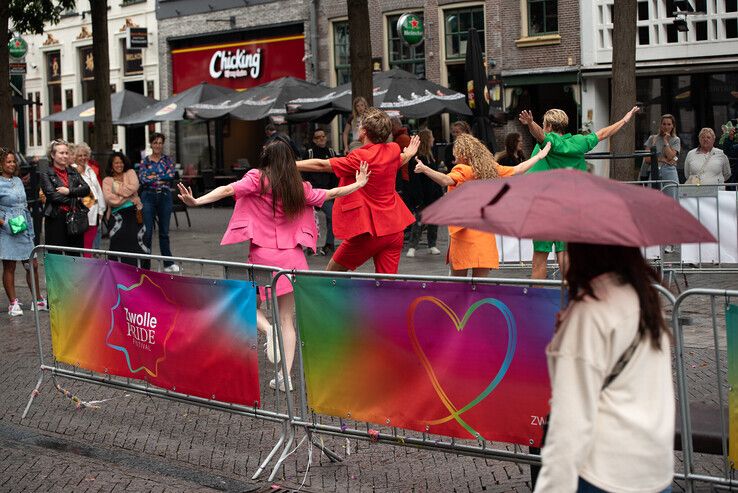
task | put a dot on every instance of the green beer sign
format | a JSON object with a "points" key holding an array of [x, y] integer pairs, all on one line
{"points": [[410, 29], [17, 47]]}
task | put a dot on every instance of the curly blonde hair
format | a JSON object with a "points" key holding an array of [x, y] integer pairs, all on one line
{"points": [[470, 149]]}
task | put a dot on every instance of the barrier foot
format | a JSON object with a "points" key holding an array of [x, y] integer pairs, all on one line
{"points": [[286, 451], [264, 463], [328, 452], [34, 392]]}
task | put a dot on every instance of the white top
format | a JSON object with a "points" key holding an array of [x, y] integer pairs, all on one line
{"points": [[98, 208], [712, 168], [620, 439]]}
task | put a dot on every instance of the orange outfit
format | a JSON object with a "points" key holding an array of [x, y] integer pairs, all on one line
{"points": [[471, 248]]}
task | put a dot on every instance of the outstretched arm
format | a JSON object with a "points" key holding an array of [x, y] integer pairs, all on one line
{"points": [[526, 165], [362, 176], [410, 150], [607, 132], [319, 165], [526, 118], [185, 195], [438, 177]]}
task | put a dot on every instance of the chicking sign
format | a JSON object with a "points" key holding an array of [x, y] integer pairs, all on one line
{"points": [[239, 65]]}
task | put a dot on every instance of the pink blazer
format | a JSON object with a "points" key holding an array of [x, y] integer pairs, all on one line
{"points": [[254, 220]]}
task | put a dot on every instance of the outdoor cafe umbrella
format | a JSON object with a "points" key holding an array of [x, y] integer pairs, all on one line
{"points": [[571, 206], [173, 108], [122, 104], [476, 89], [259, 102], [394, 90]]}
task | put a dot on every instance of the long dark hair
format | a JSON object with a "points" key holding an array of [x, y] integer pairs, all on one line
{"points": [[511, 147], [588, 261], [126, 163], [280, 176]]}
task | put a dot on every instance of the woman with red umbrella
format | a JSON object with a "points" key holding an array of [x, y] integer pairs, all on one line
{"points": [[470, 249]]}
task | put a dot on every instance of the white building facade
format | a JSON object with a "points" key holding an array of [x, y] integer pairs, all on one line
{"points": [[692, 75], [60, 73]]}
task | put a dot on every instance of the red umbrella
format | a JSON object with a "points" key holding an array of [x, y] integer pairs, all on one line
{"points": [[571, 206]]}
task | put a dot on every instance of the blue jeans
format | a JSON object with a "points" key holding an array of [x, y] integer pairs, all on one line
{"points": [[585, 487], [157, 204], [670, 173]]}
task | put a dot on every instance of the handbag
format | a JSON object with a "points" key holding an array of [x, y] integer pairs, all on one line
{"points": [[17, 224], [76, 220]]}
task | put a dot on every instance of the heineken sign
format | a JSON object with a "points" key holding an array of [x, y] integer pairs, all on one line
{"points": [[17, 47], [410, 29]]}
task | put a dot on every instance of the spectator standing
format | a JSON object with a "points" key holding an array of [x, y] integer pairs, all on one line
{"points": [[706, 164], [63, 187], [668, 146], [319, 149], [156, 176], [350, 133], [271, 133], [729, 145], [126, 226], [423, 192], [16, 240], [513, 153], [458, 127], [95, 201]]}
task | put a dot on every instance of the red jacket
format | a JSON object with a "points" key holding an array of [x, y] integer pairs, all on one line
{"points": [[376, 208]]}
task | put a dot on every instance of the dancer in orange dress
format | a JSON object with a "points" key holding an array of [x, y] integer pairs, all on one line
{"points": [[470, 249]]}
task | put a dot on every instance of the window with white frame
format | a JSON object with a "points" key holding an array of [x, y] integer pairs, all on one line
{"points": [[402, 56]]}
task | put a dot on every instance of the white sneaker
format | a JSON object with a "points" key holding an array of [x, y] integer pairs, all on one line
{"points": [[41, 305], [173, 269], [435, 251], [272, 355], [273, 382], [14, 309], [410, 253]]}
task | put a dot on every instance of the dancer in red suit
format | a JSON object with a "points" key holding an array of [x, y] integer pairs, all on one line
{"points": [[371, 221]]}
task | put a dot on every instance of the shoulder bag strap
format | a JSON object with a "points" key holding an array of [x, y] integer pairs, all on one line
{"points": [[622, 361]]}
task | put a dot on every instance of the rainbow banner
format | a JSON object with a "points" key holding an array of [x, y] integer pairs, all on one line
{"points": [[190, 335], [731, 326], [447, 358]]}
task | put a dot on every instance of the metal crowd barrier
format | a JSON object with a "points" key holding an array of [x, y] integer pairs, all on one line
{"points": [[703, 406], [343, 428], [281, 411]]}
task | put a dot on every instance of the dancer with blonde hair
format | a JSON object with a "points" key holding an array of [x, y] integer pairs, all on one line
{"points": [[470, 249]]}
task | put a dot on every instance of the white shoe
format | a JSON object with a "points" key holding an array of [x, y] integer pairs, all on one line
{"points": [[173, 269], [41, 305], [14, 309], [273, 382], [410, 253], [272, 355], [435, 251]]}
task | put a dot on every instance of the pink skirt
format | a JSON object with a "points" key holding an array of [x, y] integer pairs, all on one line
{"points": [[288, 259]]}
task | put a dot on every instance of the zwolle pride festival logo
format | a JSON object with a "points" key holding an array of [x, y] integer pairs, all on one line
{"points": [[141, 322]]}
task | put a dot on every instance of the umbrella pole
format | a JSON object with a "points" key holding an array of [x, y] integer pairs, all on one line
{"points": [[210, 147]]}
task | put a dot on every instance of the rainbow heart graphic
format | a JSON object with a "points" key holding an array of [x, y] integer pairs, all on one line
{"points": [[460, 324]]}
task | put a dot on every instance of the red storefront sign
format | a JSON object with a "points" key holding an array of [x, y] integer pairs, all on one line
{"points": [[240, 64]]}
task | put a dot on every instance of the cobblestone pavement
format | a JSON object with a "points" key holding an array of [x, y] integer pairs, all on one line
{"points": [[138, 443]]}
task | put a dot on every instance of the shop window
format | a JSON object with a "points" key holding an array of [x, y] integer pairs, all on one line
{"points": [[457, 24], [543, 17], [341, 57], [402, 56], [69, 103], [731, 28], [53, 78]]}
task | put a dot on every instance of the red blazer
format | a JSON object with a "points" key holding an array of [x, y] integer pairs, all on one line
{"points": [[376, 208]]}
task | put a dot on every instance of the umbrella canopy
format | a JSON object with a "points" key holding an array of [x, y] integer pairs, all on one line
{"points": [[122, 103], [476, 89], [268, 99], [569, 205], [173, 108], [394, 90]]}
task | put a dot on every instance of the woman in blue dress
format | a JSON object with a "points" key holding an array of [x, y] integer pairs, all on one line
{"points": [[15, 245]]}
